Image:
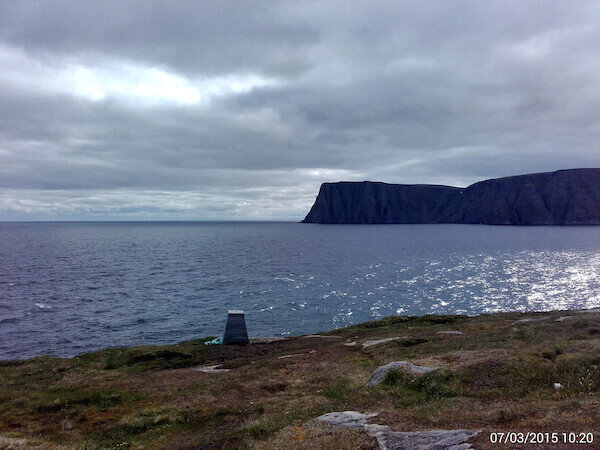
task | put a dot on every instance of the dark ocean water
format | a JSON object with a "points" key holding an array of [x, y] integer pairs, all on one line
{"points": [[67, 288]]}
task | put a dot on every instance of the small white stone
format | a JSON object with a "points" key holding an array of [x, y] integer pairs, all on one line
{"points": [[288, 356], [211, 369], [558, 386], [560, 319]]}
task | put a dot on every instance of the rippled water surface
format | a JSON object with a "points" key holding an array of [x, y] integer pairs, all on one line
{"points": [[66, 288]]}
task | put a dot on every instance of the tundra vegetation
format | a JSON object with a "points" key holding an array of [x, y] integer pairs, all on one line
{"points": [[498, 375]]}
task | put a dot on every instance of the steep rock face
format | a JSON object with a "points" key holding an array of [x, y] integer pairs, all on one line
{"points": [[564, 197]]}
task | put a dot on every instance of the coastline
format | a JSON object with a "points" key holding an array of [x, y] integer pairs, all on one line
{"points": [[494, 372]]}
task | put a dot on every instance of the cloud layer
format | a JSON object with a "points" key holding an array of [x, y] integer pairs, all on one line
{"points": [[239, 110]]}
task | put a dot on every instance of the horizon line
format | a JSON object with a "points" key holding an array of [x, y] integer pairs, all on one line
{"points": [[150, 220]]}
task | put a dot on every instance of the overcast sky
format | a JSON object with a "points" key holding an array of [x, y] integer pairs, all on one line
{"points": [[239, 110]]}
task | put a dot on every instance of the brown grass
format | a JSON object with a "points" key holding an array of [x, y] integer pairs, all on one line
{"points": [[497, 376]]}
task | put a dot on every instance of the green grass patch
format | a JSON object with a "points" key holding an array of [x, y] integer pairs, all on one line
{"points": [[359, 359], [11, 362], [71, 399], [533, 376], [412, 389], [338, 391], [267, 426], [580, 324], [143, 358], [409, 342], [403, 321], [125, 434], [264, 427], [152, 360]]}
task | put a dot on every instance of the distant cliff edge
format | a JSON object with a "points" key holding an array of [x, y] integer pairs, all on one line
{"points": [[564, 197]]}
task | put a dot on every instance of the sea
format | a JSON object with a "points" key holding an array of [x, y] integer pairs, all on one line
{"points": [[72, 287]]}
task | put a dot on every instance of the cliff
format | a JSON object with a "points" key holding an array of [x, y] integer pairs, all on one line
{"points": [[564, 197]]}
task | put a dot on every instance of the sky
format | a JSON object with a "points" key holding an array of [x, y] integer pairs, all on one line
{"points": [[239, 110]]}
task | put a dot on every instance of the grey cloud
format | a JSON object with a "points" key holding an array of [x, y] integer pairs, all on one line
{"points": [[191, 37], [434, 92]]}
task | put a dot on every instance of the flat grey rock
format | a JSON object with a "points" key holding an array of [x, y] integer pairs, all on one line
{"points": [[321, 336], [350, 344], [435, 439], [530, 319], [267, 339], [381, 341], [450, 332], [379, 374], [563, 318], [347, 419], [396, 440], [211, 369]]}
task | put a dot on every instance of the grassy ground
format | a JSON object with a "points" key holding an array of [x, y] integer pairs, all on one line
{"points": [[498, 375]]}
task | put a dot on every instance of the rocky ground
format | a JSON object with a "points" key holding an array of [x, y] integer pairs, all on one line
{"points": [[537, 372]]}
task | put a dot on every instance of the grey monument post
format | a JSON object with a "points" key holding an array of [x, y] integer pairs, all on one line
{"points": [[235, 330]]}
